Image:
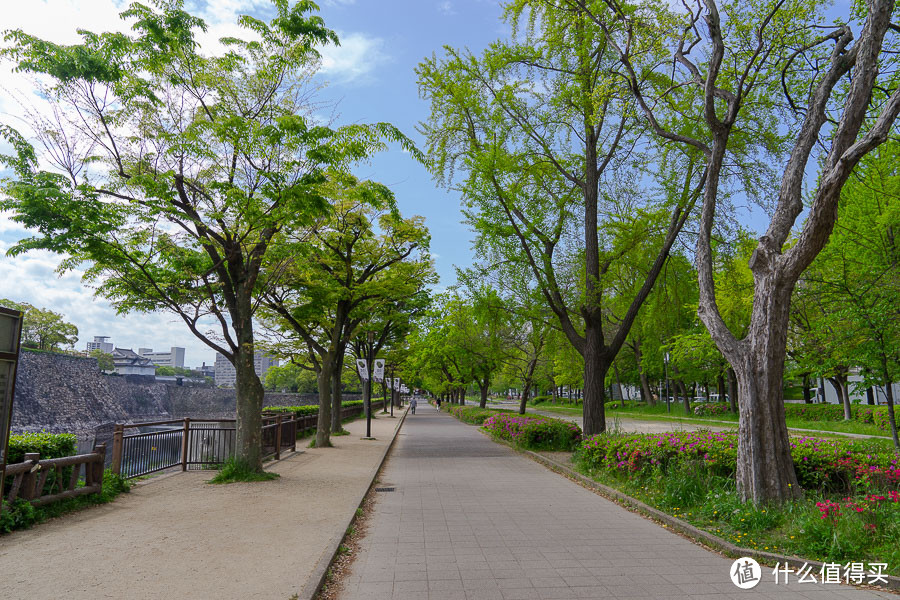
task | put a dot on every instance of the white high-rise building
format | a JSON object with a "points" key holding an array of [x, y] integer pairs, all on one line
{"points": [[100, 343], [226, 375], [173, 358]]}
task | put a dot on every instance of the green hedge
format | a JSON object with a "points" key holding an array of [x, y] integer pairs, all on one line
{"points": [[48, 445], [861, 413], [311, 409], [469, 414]]}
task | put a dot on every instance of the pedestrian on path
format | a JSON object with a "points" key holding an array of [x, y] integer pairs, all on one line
{"points": [[437, 402], [412, 405]]}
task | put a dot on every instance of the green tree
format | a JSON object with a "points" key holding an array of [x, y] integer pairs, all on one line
{"points": [[42, 328], [175, 171], [360, 255], [105, 360], [733, 71], [544, 135]]}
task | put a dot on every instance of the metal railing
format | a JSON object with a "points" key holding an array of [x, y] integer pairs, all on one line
{"points": [[191, 444]]}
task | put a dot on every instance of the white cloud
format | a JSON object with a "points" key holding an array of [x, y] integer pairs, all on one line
{"points": [[37, 283], [355, 59], [446, 8]]}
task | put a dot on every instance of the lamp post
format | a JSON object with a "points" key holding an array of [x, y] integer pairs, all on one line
{"points": [[668, 407], [370, 339]]}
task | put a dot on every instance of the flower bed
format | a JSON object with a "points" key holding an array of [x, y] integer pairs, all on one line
{"points": [[850, 510], [711, 409], [828, 465], [534, 433]]}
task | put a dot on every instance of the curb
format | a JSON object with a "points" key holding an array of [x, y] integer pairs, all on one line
{"points": [[723, 546], [319, 573]]}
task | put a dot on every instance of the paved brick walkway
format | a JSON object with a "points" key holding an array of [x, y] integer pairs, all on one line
{"points": [[472, 520]]}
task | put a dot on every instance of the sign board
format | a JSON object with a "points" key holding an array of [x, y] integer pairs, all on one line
{"points": [[362, 366], [396, 385], [379, 369], [10, 336]]}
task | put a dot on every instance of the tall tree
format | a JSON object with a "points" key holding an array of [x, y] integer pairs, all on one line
{"points": [[43, 328], [174, 171], [542, 131], [840, 101], [361, 255]]}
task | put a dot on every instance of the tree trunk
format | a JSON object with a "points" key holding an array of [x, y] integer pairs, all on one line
{"points": [[595, 367], [889, 394], [524, 400], [462, 396], [765, 469], [646, 393], [248, 413], [483, 387], [720, 386], [323, 422], [687, 398], [807, 396], [337, 399], [870, 395], [732, 390], [618, 383], [839, 383]]}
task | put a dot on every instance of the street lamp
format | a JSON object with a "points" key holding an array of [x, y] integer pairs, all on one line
{"points": [[370, 338], [668, 407]]}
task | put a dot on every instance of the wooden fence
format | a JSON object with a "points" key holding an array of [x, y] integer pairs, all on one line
{"points": [[44, 481]]}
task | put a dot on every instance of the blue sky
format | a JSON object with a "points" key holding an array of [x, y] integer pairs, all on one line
{"points": [[370, 78]]}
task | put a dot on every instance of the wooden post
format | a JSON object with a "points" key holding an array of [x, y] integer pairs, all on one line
{"points": [[278, 437], [294, 434], [184, 443], [118, 441], [29, 480], [97, 467]]}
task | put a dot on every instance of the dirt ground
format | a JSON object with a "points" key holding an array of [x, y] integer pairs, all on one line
{"points": [[179, 537]]}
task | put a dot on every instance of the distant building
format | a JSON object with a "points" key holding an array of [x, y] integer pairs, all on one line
{"points": [[100, 343], [173, 358], [128, 362], [226, 375], [206, 370]]}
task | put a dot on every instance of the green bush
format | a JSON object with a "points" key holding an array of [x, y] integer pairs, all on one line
{"points": [[469, 414], [308, 410], [872, 415], [48, 445], [711, 408]]}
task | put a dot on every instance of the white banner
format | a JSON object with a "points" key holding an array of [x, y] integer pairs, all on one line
{"points": [[379, 369], [362, 368], [396, 385]]}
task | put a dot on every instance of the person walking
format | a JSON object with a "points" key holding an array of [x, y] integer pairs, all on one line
{"points": [[412, 405]]}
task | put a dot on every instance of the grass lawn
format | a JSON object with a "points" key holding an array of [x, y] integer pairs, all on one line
{"points": [[658, 413]]}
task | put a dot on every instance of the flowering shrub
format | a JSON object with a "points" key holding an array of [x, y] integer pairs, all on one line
{"points": [[534, 433], [712, 408], [834, 465]]}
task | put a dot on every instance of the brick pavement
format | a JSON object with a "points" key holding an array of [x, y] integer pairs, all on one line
{"points": [[473, 520]]}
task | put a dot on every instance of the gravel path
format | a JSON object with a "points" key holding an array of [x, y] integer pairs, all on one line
{"points": [[473, 520], [179, 537]]}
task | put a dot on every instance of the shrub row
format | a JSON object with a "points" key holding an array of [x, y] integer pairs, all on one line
{"points": [[534, 433], [861, 413], [827, 465], [48, 445], [469, 414], [305, 411]]}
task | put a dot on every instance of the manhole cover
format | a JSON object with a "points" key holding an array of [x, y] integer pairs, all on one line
{"points": [[385, 489]]}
